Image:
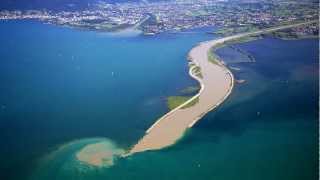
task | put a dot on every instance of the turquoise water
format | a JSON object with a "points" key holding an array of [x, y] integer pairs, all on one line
{"points": [[63, 89], [61, 85]]}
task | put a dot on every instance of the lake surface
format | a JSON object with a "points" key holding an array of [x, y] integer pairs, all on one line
{"points": [[62, 89]]}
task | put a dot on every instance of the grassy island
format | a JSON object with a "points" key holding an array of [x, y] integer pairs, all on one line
{"points": [[175, 101], [191, 103]]}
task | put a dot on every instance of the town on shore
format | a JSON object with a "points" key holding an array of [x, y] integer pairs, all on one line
{"points": [[177, 15]]}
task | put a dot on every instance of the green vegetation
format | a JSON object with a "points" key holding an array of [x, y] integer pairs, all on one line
{"points": [[283, 35], [235, 30], [196, 70], [191, 64], [102, 26], [213, 58], [289, 35], [175, 101], [305, 31], [243, 40], [191, 103]]}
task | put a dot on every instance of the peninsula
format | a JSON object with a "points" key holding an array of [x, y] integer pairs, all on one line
{"points": [[216, 82]]}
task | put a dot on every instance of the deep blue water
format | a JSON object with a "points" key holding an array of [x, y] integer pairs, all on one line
{"points": [[61, 86]]}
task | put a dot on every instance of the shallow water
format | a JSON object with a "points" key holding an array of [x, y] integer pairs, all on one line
{"points": [[60, 84], [63, 88]]}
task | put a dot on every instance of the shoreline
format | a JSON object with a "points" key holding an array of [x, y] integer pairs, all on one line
{"points": [[183, 104], [166, 130], [216, 82], [219, 63], [171, 127]]}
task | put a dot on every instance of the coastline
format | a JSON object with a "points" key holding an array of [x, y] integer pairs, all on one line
{"points": [[171, 127], [183, 104], [216, 82]]}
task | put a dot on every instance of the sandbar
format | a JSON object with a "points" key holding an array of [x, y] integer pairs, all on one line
{"points": [[216, 82]]}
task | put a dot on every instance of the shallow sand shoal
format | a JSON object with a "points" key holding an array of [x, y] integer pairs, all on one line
{"points": [[99, 154]]}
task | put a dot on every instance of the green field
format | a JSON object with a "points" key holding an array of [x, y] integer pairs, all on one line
{"points": [[235, 30], [175, 101], [193, 102]]}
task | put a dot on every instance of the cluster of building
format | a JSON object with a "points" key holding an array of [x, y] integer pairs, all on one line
{"points": [[175, 15], [310, 30]]}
